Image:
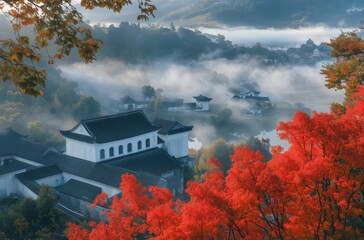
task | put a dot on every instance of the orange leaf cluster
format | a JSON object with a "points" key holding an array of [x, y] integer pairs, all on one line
{"points": [[52, 22]]}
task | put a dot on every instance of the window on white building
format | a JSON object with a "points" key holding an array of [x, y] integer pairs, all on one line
{"points": [[121, 150], [102, 153], [111, 152], [147, 143], [130, 148], [139, 145]]}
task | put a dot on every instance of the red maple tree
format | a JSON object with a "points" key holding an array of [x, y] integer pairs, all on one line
{"points": [[313, 190]]}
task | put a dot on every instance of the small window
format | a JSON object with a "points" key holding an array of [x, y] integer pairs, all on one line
{"points": [[139, 145], [121, 149], [130, 148], [102, 153], [111, 152], [147, 143]]}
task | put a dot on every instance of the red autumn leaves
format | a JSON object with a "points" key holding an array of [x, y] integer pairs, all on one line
{"points": [[314, 190]]}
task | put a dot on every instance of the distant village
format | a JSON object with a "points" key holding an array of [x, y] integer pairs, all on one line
{"points": [[251, 102], [309, 52], [99, 150]]}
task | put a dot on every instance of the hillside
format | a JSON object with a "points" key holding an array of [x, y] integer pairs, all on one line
{"points": [[267, 13]]}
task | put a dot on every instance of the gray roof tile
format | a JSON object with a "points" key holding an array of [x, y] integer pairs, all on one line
{"points": [[114, 127]]}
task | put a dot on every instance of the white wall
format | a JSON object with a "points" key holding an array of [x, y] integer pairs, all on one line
{"points": [[80, 149], [176, 145], [8, 184], [81, 130], [204, 105], [52, 181], [26, 192], [133, 140], [91, 151]]}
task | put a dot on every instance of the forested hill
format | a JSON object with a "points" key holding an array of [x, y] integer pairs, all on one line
{"points": [[269, 13], [134, 44], [254, 13]]}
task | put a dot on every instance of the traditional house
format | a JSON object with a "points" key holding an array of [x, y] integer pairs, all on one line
{"points": [[128, 103], [255, 103], [202, 104], [98, 152]]}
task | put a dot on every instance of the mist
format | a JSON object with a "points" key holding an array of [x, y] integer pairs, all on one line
{"points": [[111, 80], [274, 37]]}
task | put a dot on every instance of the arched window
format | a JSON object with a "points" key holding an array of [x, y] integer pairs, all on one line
{"points": [[139, 145], [130, 148], [102, 153], [111, 152], [147, 143], [121, 149]]}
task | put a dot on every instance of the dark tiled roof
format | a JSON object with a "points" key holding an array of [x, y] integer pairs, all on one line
{"points": [[127, 99], [14, 166], [13, 143], [202, 98], [97, 172], [261, 99], [114, 127], [32, 185], [151, 179], [170, 127], [40, 172], [155, 161], [76, 136], [80, 190]]}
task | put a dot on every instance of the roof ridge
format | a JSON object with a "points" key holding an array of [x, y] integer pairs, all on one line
{"points": [[12, 131], [113, 116]]}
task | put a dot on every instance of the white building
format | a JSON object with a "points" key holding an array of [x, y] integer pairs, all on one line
{"points": [[98, 152], [202, 104]]}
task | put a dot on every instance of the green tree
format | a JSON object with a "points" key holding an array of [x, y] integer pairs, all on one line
{"points": [[261, 145], [87, 107], [223, 117], [219, 149], [33, 218], [44, 135], [52, 22], [148, 92]]}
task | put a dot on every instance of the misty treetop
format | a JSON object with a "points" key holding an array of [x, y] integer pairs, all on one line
{"points": [[41, 117], [32, 219], [135, 44]]}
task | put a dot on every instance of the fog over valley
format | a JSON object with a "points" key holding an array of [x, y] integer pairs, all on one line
{"points": [[110, 80], [276, 37], [217, 59]]}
